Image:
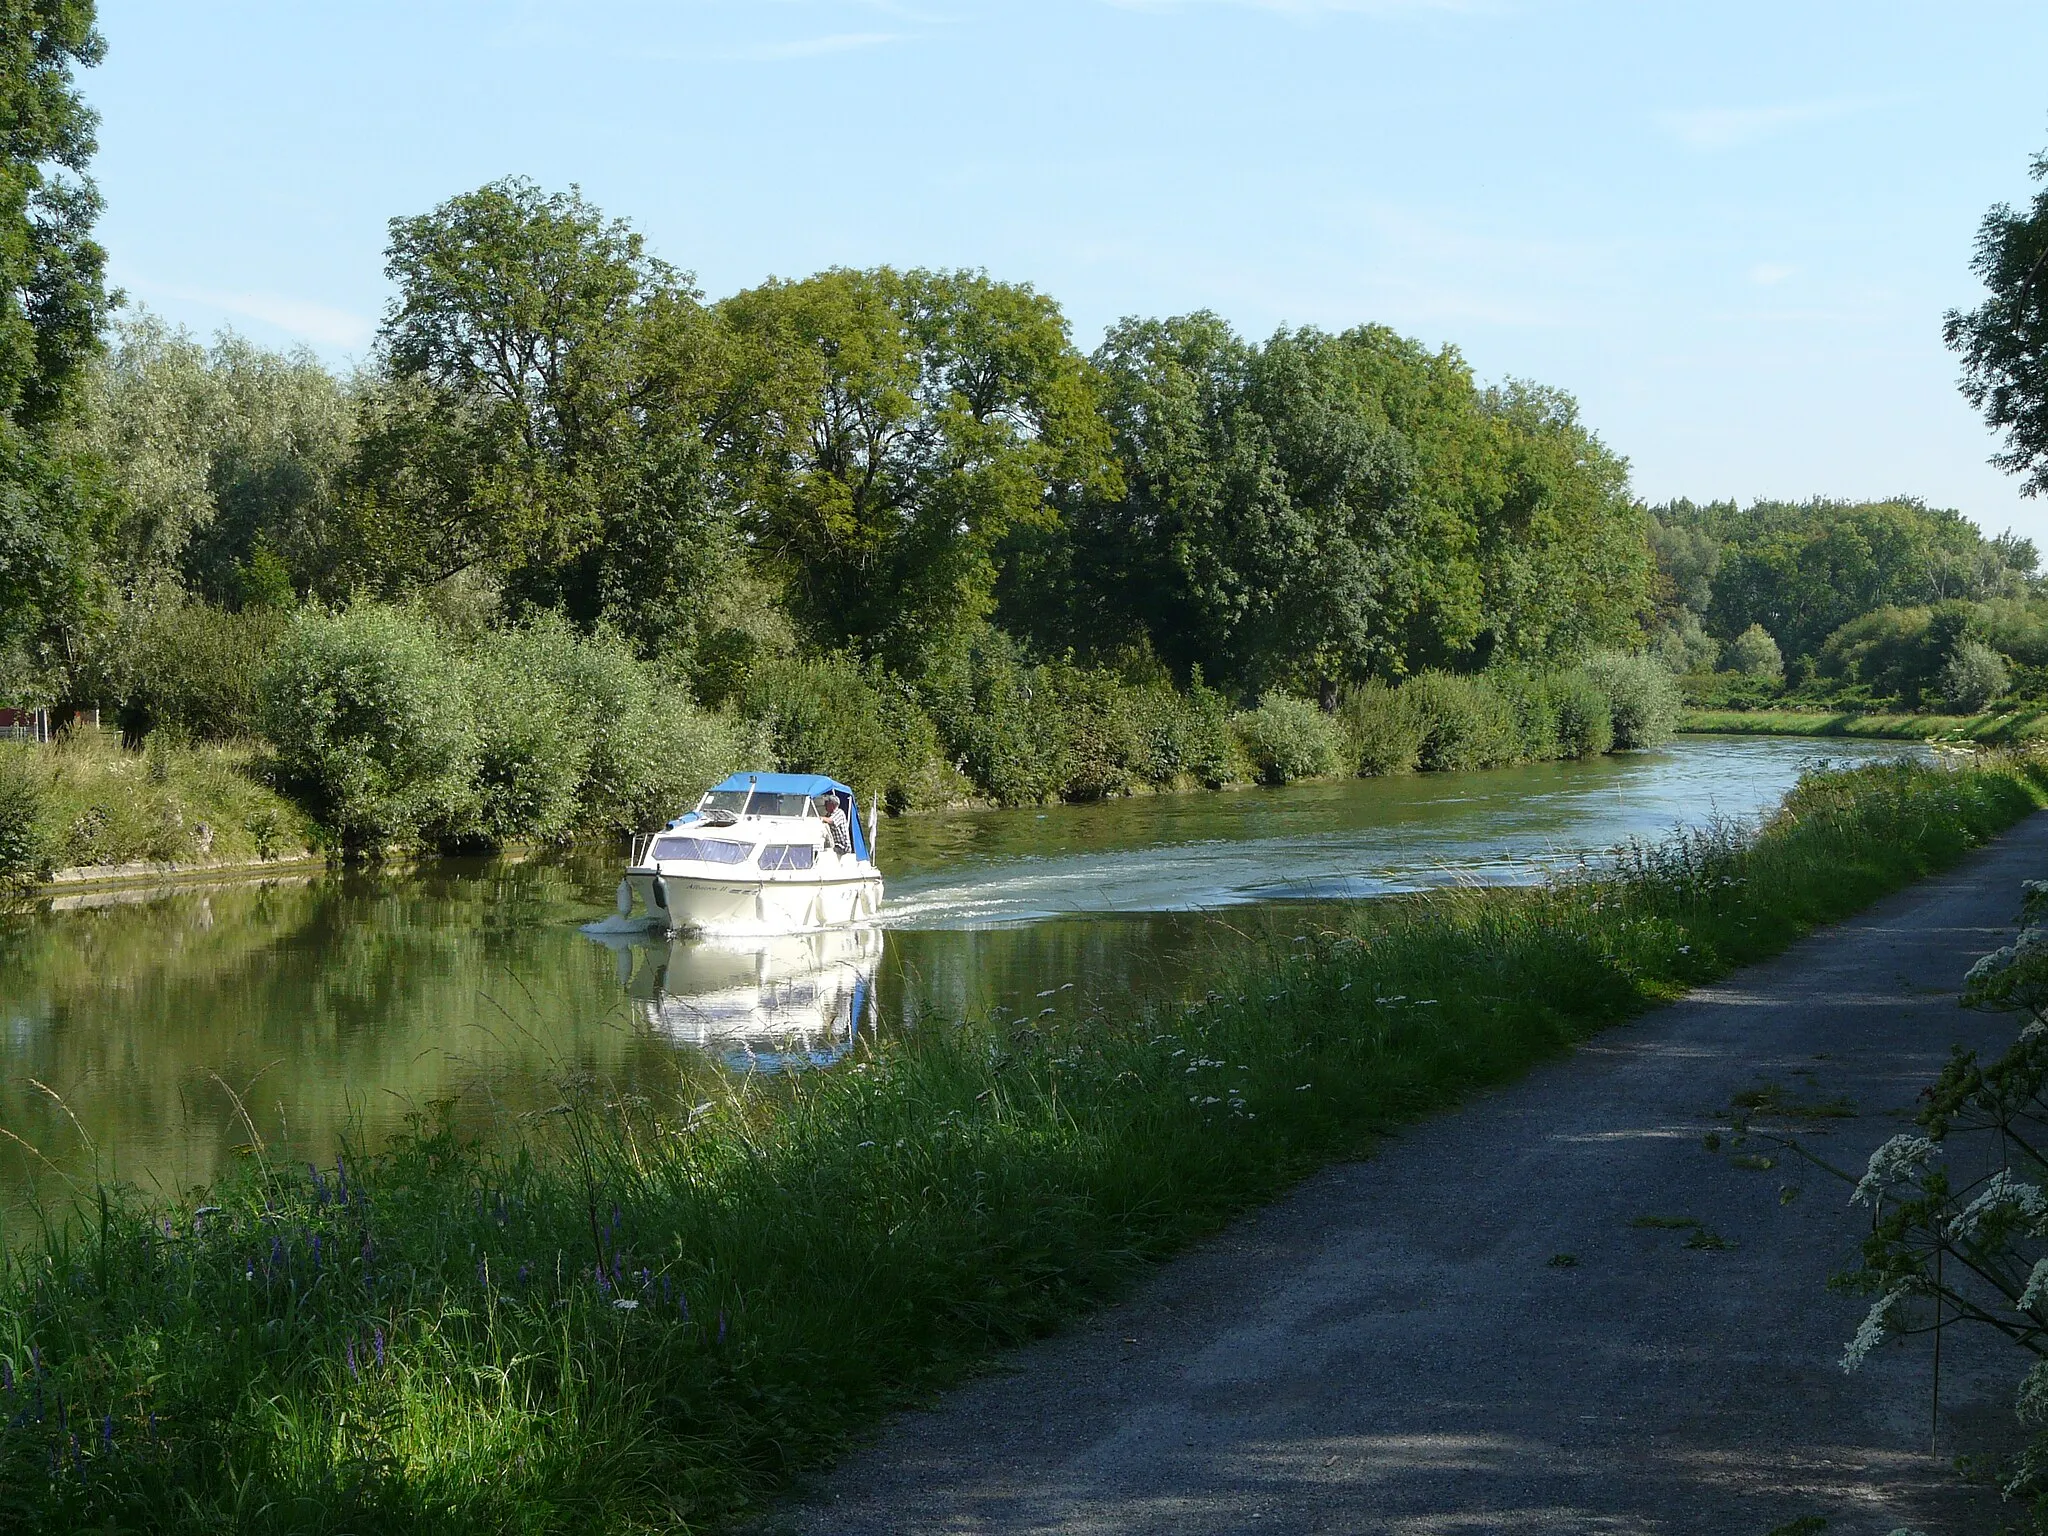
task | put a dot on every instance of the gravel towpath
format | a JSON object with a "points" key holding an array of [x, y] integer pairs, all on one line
{"points": [[1390, 1348]]}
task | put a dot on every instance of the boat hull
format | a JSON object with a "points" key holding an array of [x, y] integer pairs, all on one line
{"points": [[712, 905]]}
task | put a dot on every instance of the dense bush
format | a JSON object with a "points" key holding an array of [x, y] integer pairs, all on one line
{"points": [[864, 728], [1381, 734], [372, 724], [1755, 654], [195, 668], [1464, 722], [1585, 715], [533, 732], [1287, 739], [27, 852], [1645, 698], [1972, 677]]}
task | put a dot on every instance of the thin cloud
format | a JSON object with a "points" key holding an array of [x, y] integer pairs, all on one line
{"points": [[1712, 128], [1316, 7], [1768, 274], [813, 47], [321, 324]]}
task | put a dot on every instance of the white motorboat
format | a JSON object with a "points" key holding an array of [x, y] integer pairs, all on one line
{"points": [[761, 853]]}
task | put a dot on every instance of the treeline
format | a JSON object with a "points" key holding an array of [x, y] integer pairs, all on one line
{"points": [[879, 465], [1876, 604]]}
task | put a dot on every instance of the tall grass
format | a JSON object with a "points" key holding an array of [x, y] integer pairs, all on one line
{"points": [[656, 1314], [86, 801]]}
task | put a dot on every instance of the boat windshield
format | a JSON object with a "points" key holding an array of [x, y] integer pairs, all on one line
{"points": [[789, 856], [710, 850], [734, 800], [766, 804]]}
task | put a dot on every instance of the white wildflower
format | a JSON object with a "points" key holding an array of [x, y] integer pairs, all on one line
{"points": [[2001, 1192], [626, 1306], [1898, 1159], [1871, 1331], [2037, 1287]]}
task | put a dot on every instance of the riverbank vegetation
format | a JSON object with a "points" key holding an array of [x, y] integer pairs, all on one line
{"points": [[658, 1313], [85, 801]]}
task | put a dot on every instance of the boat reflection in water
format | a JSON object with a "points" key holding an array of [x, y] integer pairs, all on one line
{"points": [[771, 1004]]}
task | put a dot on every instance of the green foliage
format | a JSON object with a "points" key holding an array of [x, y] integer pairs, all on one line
{"points": [[367, 711], [940, 411], [1755, 654], [835, 717], [27, 851], [1287, 739], [2004, 340], [228, 462], [1972, 677], [1465, 722], [53, 299], [1645, 697], [1585, 715], [1803, 570], [675, 1309], [195, 668], [1381, 734], [1321, 508], [1685, 647], [84, 801]]}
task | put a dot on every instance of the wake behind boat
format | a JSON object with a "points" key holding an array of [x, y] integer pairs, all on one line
{"points": [[761, 853]]}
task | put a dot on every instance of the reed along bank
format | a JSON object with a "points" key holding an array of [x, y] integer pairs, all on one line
{"points": [[658, 1313]]}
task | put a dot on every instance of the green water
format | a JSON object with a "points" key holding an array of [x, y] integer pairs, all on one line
{"points": [[149, 1037]]}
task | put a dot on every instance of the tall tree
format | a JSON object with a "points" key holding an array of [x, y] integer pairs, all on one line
{"points": [[2004, 340], [553, 400], [942, 411], [53, 303]]}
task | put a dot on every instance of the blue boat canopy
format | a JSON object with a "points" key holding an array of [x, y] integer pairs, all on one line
{"points": [[785, 783], [811, 784]]}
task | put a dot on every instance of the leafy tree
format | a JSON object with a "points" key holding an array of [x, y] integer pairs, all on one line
{"points": [[553, 399], [53, 303], [1973, 676], [1755, 654], [2004, 340], [941, 411], [229, 461]]}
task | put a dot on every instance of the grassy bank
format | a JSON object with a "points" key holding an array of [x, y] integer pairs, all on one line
{"points": [[85, 801], [2004, 728], [656, 1314]]}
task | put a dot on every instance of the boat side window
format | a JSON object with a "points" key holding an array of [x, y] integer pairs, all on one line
{"points": [[710, 850], [734, 800], [788, 856], [766, 803]]}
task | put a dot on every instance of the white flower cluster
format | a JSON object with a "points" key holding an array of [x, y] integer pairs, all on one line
{"points": [[1896, 1162], [2001, 1192], [1871, 1331]]}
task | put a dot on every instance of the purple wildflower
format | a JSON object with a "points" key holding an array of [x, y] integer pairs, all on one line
{"points": [[683, 1305], [377, 1345], [524, 1271], [107, 1432], [604, 1287], [483, 1272], [353, 1372], [277, 1253], [721, 1325], [316, 1250]]}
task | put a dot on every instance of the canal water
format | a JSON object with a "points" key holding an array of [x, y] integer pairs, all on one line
{"points": [[148, 1036]]}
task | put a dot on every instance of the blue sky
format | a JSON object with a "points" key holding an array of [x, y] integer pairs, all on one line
{"points": [[1729, 229]]}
